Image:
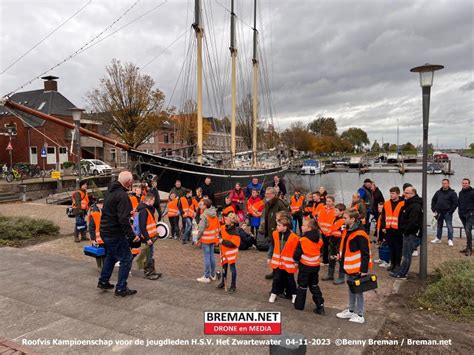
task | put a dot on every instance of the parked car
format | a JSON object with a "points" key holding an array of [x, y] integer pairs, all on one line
{"points": [[97, 167]]}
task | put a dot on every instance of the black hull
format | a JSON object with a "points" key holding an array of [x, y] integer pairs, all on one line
{"points": [[193, 175]]}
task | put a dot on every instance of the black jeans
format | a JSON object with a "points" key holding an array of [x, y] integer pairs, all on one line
{"points": [[282, 278], [395, 243], [325, 249], [468, 223], [233, 270], [409, 245], [174, 222], [116, 249], [305, 280]]}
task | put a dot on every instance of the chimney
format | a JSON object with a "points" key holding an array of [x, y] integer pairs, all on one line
{"points": [[50, 83]]}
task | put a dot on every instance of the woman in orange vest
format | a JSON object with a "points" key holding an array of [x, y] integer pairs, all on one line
{"points": [[255, 206], [229, 249], [308, 206], [296, 208], [94, 228], [173, 215], [356, 260], [280, 258], [208, 232], [307, 255], [326, 217], [334, 242], [80, 205]]}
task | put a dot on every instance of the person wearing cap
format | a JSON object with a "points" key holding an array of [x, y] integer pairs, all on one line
{"points": [[94, 228], [367, 197], [80, 206]]}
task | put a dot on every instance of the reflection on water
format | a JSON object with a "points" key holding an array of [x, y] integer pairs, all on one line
{"points": [[343, 185]]}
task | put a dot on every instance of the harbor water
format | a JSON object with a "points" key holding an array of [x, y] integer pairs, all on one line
{"points": [[343, 184]]}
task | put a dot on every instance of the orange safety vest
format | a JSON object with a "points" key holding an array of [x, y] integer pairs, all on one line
{"points": [[173, 210], [296, 204], [326, 219], [228, 210], [308, 210], [352, 260], [311, 251], [195, 204], [135, 201], [391, 217], [184, 206], [229, 255], [135, 251], [191, 210], [212, 231], [151, 225], [284, 260], [95, 215], [84, 200], [317, 209], [255, 207], [336, 227]]}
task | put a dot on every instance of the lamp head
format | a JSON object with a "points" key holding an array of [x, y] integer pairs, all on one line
{"points": [[426, 73]]}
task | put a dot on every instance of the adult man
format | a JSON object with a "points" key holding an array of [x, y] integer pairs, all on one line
{"points": [[178, 190], [366, 195], [466, 212], [281, 186], [389, 224], [156, 194], [273, 204], [443, 205], [378, 198], [254, 185], [116, 231], [411, 220], [207, 189], [80, 205]]}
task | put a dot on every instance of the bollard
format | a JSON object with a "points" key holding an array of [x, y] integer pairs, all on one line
{"points": [[23, 193], [289, 344]]}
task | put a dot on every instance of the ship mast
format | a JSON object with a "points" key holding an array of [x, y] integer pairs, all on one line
{"points": [[199, 35], [233, 54], [254, 87]]}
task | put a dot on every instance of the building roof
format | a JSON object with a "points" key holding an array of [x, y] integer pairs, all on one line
{"points": [[49, 102]]}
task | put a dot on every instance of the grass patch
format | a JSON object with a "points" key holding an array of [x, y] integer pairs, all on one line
{"points": [[18, 231], [452, 290]]}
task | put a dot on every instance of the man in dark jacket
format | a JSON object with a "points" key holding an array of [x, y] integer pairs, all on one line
{"points": [[281, 185], [116, 231], [156, 194], [178, 190], [443, 205], [378, 198], [207, 189], [411, 220], [466, 212], [273, 204], [254, 185], [367, 196]]}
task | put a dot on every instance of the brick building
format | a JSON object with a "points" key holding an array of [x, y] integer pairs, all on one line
{"points": [[29, 134]]}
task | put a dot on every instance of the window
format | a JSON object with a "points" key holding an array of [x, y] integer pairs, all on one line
{"points": [[10, 128], [150, 139], [51, 155], [171, 137], [113, 154], [123, 156], [62, 154], [166, 138], [33, 155]]}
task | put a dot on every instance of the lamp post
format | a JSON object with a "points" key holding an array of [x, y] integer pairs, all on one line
{"points": [[76, 117], [426, 81]]}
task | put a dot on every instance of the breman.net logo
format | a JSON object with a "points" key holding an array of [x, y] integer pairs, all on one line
{"points": [[242, 323]]}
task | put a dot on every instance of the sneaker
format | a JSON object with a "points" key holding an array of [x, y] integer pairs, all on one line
{"points": [[214, 278], [397, 276], [269, 276], [293, 299], [105, 285], [272, 298], [221, 285], [125, 292], [415, 253], [117, 264], [378, 261], [204, 279], [436, 241], [345, 314], [320, 311], [384, 264], [325, 264], [450, 243], [231, 289], [357, 319]]}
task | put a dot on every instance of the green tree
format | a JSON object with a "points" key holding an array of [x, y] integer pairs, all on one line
{"points": [[393, 148], [386, 147], [357, 136], [407, 147], [471, 146], [127, 104], [323, 126], [375, 147]]}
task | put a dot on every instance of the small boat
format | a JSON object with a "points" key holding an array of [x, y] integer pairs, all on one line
{"points": [[438, 156], [311, 167], [356, 163], [392, 158], [434, 169]]}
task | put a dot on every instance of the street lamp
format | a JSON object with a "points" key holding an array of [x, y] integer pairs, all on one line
{"points": [[76, 117], [426, 81]]}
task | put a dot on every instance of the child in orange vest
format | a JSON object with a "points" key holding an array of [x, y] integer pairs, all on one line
{"points": [[296, 207], [94, 228], [334, 242], [280, 258], [307, 255], [230, 243], [173, 215], [255, 206]]}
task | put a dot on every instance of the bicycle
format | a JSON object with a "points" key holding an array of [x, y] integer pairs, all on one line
{"points": [[11, 175]]}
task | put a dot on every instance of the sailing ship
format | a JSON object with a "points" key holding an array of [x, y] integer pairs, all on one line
{"points": [[192, 173]]}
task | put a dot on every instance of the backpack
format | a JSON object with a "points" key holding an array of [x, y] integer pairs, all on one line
{"points": [[263, 243], [136, 225]]}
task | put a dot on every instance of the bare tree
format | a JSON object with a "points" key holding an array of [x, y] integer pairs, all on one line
{"points": [[245, 120], [186, 123]]}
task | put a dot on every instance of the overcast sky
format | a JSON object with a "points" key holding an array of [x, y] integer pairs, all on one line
{"points": [[344, 59]]}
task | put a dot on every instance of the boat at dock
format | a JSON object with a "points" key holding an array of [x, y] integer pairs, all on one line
{"points": [[311, 167]]}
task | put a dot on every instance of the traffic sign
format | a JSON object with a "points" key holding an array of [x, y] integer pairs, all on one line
{"points": [[43, 152], [9, 146], [56, 174]]}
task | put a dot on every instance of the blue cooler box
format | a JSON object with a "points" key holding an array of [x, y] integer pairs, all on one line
{"points": [[95, 252], [384, 253]]}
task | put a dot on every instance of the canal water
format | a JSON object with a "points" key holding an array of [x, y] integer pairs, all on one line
{"points": [[343, 185]]}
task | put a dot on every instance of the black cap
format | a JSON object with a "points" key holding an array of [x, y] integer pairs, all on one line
{"points": [[367, 180], [82, 182]]}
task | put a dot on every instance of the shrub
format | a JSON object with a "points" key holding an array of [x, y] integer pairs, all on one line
{"points": [[24, 228], [452, 290]]}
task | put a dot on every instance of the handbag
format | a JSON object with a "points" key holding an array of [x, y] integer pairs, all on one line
{"points": [[70, 212], [363, 284]]}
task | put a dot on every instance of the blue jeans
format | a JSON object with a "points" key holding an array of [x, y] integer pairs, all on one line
{"points": [[468, 223], [448, 218], [81, 225], [116, 249], [188, 226], [209, 261], [150, 254], [356, 300], [409, 245]]}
